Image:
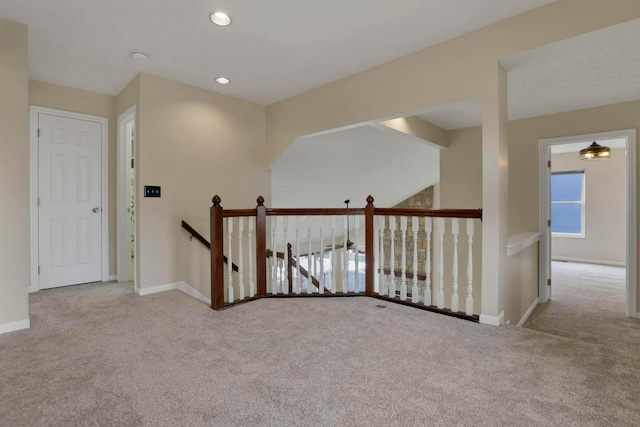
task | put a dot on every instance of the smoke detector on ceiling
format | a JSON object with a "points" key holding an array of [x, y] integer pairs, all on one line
{"points": [[138, 55]]}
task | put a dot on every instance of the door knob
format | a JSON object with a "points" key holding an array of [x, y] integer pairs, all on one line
{"points": [[95, 210]]}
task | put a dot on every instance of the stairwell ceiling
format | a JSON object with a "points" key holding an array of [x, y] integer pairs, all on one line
{"points": [[272, 50], [322, 171]]}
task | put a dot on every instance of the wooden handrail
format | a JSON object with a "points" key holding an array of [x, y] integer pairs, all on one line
{"points": [[205, 242], [313, 211], [438, 213], [303, 271]]}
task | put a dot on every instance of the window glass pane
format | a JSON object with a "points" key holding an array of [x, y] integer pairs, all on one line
{"points": [[566, 218], [566, 188]]}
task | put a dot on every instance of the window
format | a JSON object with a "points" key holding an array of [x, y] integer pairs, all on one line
{"points": [[567, 203]]}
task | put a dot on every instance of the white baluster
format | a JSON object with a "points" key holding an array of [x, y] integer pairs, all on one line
{"points": [[285, 256], [240, 257], [441, 263], [415, 292], [252, 284], [230, 257], [281, 274], [309, 258], [403, 262], [356, 278], [382, 290], [274, 257], [345, 258], [298, 287], [470, 267], [321, 277], [427, 263], [334, 260], [455, 299], [392, 258]]}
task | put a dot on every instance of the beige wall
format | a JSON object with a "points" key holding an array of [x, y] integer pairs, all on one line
{"points": [[14, 174], [461, 188], [605, 209], [523, 152], [455, 70], [194, 144], [522, 279], [95, 104]]}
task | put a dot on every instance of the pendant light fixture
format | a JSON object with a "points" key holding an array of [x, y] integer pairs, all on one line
{"points": [[595, 151], [351, 247]]}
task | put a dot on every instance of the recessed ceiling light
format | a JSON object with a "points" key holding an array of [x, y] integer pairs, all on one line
{"points": [[220, 18], [222, 80], [138, 55]]}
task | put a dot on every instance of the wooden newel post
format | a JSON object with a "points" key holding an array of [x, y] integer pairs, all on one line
{"points": [[217, 255], [369, 248], [261, 247]]}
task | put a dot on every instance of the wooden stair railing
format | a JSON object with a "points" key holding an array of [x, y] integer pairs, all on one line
{"points": [[373, 249], [293, 264], [205, 242], [292, 261]]}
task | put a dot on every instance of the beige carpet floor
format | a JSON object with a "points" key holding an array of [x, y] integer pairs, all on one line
{"points": [[589, 305], [98, 355]]}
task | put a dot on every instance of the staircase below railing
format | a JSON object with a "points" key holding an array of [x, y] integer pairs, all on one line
{"points": [[405, 253], [204, 241]]}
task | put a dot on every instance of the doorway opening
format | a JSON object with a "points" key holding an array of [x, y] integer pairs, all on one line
{"points": [[588, 221], [126, 182]]}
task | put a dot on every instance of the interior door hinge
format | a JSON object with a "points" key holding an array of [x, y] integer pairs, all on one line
{"points": [[548, 223], [38, 269], [38, 133], [548, 163], [38, 201], [548, 282]]}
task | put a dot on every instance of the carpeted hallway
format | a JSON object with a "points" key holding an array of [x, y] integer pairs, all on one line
{"points": [[99, 355], [589, 305]]}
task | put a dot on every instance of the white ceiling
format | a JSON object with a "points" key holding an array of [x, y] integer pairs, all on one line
{"points": [[324, 170], [463, 114], [598, 68], [272, 50]]}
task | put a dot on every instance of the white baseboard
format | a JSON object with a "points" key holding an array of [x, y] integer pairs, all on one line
{"points": [[588, 261], [182, 286], [492, 320], [528, 313], [14, 326], [190, 291]]}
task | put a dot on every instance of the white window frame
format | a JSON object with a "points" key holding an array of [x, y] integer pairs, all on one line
{"points": [[580, 235]]}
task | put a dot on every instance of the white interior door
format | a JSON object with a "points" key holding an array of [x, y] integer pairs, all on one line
{"points": [[70, 198]]}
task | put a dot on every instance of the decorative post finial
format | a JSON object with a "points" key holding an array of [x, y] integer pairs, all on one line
{"points": [[216, 201], [260, 201], [370, 200]]}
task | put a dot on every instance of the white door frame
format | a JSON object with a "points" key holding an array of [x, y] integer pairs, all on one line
{"points": [[124, 197], [33, 176], [631, 210]]}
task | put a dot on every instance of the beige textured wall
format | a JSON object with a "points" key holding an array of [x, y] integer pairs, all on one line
{"points": [[455, 70], [419, 128], [461, 188], [194, 144], [14, 173], [522, 289], [96, 104], [523, 152], [605, 209]]}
